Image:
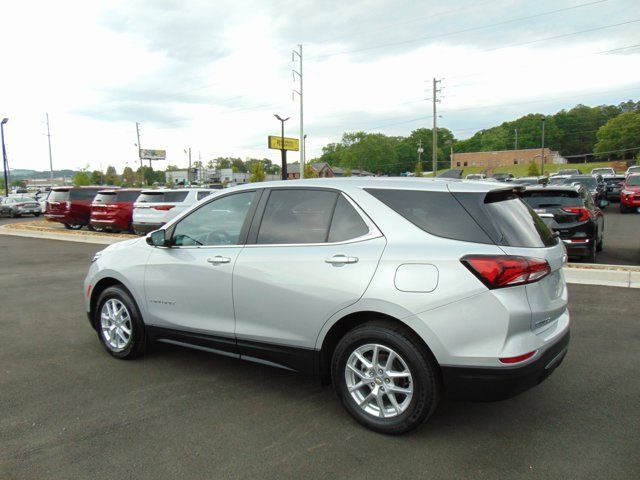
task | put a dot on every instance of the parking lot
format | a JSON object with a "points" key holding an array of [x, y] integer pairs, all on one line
{"points": [[69, 410]]}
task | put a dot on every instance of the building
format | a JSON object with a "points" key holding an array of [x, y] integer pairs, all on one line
{"points": [[323, 170], [504, 158]]}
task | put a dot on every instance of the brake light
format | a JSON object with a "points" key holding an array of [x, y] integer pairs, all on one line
{"points": [[583, 212], [500, 271], [519, 358], [163, 207]]}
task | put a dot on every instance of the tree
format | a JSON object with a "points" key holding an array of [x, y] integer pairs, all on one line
{"points": [[170, 182], [257, 173], [309, 172], [111, 177], [128, 177], [346, 172], [81, 179], [619, 133], [96, 177], [533, 170], [418, 171]]}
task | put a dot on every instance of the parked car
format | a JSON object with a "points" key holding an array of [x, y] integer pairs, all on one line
{"points": [[154, 208], [503, 177], [569, 171], [630, 194], [529, 180], [475, 176], [614, 185], [632, 169], [113, 209], [572, 213], [41, 197], [71, 206], [395, 290], [16, 206], [603, 171], [594, 183], [558, 179]]}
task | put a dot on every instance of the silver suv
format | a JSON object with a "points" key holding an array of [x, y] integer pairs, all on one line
{"points": [[398, 291]]}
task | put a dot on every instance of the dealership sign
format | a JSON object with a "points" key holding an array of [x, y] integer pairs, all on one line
{"points": [[289, 143]]}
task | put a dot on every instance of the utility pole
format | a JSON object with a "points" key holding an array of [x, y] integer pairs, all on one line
{"points": [[435, 126], [542, 152], [282, 149], [50, 159], [300, 94], [189, 171], [516, 147], [139, 148], [420, 150], [5, 162]]}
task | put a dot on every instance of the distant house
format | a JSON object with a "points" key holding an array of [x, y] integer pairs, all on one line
{"points": [[504, 158], [324, 170]]}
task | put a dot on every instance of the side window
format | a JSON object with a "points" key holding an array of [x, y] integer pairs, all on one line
{"points": [[217, 223], [346, 223], [297, 216], [201, 195]]}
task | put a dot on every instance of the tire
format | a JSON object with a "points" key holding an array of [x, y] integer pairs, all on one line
{"points": [[90, 227], [118, 343], [600, 244], [72, 226], [592, 256], [97, 229], [411, 357], [14, 215], [623, 208]]}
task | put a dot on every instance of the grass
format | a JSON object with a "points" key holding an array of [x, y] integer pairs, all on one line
{"points": [[523, 170]]}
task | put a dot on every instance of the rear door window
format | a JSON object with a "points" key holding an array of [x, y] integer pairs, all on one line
{"points": [[346, 223], [296, 216], [58, 196], [545, 199], [82, 194], [128, 196]]}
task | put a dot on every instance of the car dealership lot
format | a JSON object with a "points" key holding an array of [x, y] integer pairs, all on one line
{"points": [[72, 411]]}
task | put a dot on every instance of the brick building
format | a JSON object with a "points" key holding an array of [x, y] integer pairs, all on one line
{"points": [[504, 158]]}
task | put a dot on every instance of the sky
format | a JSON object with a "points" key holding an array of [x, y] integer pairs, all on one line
{"points": [[210, 75]]}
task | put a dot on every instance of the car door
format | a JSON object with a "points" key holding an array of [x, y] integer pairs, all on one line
{"points": [[188, 286], [310, 253]]}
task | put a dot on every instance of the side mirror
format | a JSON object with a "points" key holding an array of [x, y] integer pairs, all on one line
{"points": [[603, 203], [157, 238]]}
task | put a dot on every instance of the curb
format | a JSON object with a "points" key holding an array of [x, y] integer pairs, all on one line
{"points": [[607, 275], [62, 236]]}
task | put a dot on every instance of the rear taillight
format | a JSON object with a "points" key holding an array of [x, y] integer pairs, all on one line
{"points": [[519, 358], [500, 271], [583, 212], [67, 205], [163, 207]]}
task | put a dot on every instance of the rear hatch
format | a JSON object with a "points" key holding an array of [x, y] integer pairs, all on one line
{"points": [[104, 205], [152, 206], [561, 210], [58, 201], [518, 230]]}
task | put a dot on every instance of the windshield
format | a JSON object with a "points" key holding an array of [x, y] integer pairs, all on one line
{"points": [[105, 197]]}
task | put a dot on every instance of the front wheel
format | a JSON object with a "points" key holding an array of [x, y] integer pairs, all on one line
{"points": [[384, 378], [119, 324]]}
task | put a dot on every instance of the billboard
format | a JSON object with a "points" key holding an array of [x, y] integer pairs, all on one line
{"points": [[289, 143], [149, 154]]}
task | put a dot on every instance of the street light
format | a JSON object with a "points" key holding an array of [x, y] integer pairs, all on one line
{"points": [[282, 150], [5, 162]]}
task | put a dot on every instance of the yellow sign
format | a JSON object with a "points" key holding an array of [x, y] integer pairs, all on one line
{"points": [[289, 143]]}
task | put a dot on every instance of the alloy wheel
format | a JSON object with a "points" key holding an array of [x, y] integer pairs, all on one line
{"points": [[379, 380], [116, 325]]}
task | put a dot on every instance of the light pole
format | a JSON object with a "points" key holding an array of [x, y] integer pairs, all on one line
{"points": [[5, 162], [282, 150]]}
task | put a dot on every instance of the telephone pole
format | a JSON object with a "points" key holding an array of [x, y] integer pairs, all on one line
{"points": [[139, 148], [516, 147], [435, 126], [542, 152], [50, 159], [300, 94], [420, 150]]}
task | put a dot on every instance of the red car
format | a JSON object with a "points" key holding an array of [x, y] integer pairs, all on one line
{"points": [[112, 209], [70, 206], [630, 194]]}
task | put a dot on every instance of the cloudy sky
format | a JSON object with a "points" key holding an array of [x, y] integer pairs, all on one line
{"points": [[210, 74]]}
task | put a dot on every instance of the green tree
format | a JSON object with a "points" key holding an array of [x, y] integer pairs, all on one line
{"points": [[346, 172], [81, 179], [170, 182], [309, 172], [619, 133], [533, 170], [418, 170], [257, 173], [111, 176], [96, 177], [128, 177]]}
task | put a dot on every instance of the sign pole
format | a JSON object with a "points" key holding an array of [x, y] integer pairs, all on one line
{"points": [[282, 147]]}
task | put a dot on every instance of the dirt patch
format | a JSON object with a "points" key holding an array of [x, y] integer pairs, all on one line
{"points": [[57, 228]]}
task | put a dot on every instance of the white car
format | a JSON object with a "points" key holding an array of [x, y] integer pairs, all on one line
{"points": [[476, 176], [603, 171], [154, 208], [632, 169]]}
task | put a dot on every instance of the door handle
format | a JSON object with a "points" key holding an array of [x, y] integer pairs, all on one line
{"points": [[341, 260], [218, 259]]}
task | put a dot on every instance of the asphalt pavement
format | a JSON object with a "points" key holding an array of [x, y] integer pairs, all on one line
{"points": [[69, 410], [621, 237]]}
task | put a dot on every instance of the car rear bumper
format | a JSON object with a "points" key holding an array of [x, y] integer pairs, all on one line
{"points": [[146, 227], [484, 384], [108, 223]]}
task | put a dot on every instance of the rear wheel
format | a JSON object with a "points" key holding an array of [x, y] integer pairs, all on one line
{"points": [[72, 226], [97, 229], [591, 257], [36, 214], [384, 378], [119, 324]]}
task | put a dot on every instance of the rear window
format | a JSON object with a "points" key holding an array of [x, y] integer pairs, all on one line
{"points": [[500, 217], [128, 196], [58, 196], [614, 180], [161, 197], [564, 198], [82, 194], [105, 197], [588, 182]]}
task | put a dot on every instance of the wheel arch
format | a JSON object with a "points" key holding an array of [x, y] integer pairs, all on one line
{"points": [[351, 321], [100, 287]]}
